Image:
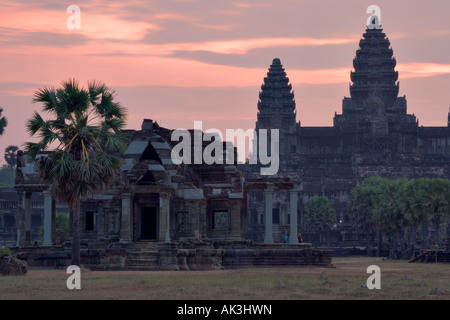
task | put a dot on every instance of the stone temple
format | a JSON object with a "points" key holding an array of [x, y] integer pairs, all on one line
{"points": [[374, 136], [160, 215]]}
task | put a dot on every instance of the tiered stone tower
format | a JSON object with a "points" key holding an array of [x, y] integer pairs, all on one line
{"points": [[374, 68], [276, 104], [374, 108]]}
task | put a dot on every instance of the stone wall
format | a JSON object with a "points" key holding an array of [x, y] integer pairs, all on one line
{"points": [[187, 255]]}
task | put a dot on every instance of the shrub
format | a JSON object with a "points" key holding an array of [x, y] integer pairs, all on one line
{"points": [[5, 251]]}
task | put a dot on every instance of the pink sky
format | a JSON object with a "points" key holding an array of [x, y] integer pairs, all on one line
{"points": [[180, 61]]}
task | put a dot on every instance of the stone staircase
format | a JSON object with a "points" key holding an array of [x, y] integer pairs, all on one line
{"points": [[286, 257], [432, 256], [142, 256]]}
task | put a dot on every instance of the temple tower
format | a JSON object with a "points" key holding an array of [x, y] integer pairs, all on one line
{"points": [[374, 113], [374, 69], [374, 88], [276, 104]]}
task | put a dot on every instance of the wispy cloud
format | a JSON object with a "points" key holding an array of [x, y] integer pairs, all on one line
{"points": [[94, 25], [422, 69], [237, 47], [248, 5], [243, 46]]}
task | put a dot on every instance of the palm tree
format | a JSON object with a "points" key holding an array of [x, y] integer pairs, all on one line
{"points": [[415, 212], [360, 208], [11, 160], [84, 138], [10, 155], [3, 122], [374, 186], [432, 205], [388, 213], [438, 204]]}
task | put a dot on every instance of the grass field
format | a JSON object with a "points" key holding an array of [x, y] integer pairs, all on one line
{"points": [[346, 281]]}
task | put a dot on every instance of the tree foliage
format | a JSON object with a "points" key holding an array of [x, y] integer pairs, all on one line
{"points": [[7, 176], [319, 213], [79, 144], [395, 206], [10, 155], [361, 205], [3, 122]]}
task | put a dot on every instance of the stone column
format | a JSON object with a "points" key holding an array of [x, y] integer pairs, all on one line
{"points": [[202, 232], [48, 212], [268, 195], [235, 216], [27, 213], [20, 219], [101, 221], [293, 223], [125, 228], [53, 221], [164, 214]]}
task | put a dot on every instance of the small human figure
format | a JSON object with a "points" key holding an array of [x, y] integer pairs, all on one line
{"points": [[300, 239], [287, 238]]}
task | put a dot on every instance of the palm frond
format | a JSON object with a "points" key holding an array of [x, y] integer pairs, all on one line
{"points": [[74, 99], [114, 142], [96, 90], [35, 123], [47, 96], [84, 162]]}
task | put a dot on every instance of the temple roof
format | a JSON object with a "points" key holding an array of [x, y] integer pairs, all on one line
{"points": [[433, 131]]}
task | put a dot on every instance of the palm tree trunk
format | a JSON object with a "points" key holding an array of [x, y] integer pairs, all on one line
{"points": [[76, 231], [402, 243], [391, 246], [437, 239], [424, 236], [412, 242], [369, 251], [380, 240]]}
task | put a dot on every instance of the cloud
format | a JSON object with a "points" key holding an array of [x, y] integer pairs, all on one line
{"points": [[143, 70], [94, 25], [10, 37], [243, 46], [247, 5], [422, 69], [228, 47]]}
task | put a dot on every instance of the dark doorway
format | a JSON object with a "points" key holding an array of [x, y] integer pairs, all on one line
{"points": [[148, 223], [89, 221]]}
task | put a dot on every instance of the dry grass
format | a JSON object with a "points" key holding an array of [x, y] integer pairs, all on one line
{"points": [[399, 280]]}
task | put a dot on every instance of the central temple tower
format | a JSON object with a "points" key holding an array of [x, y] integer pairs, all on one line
{"points": [[374, 108]]}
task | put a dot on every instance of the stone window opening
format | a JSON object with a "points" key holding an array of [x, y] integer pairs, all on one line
{"points": [[221, 220], [89, 221], [276, 215]]}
